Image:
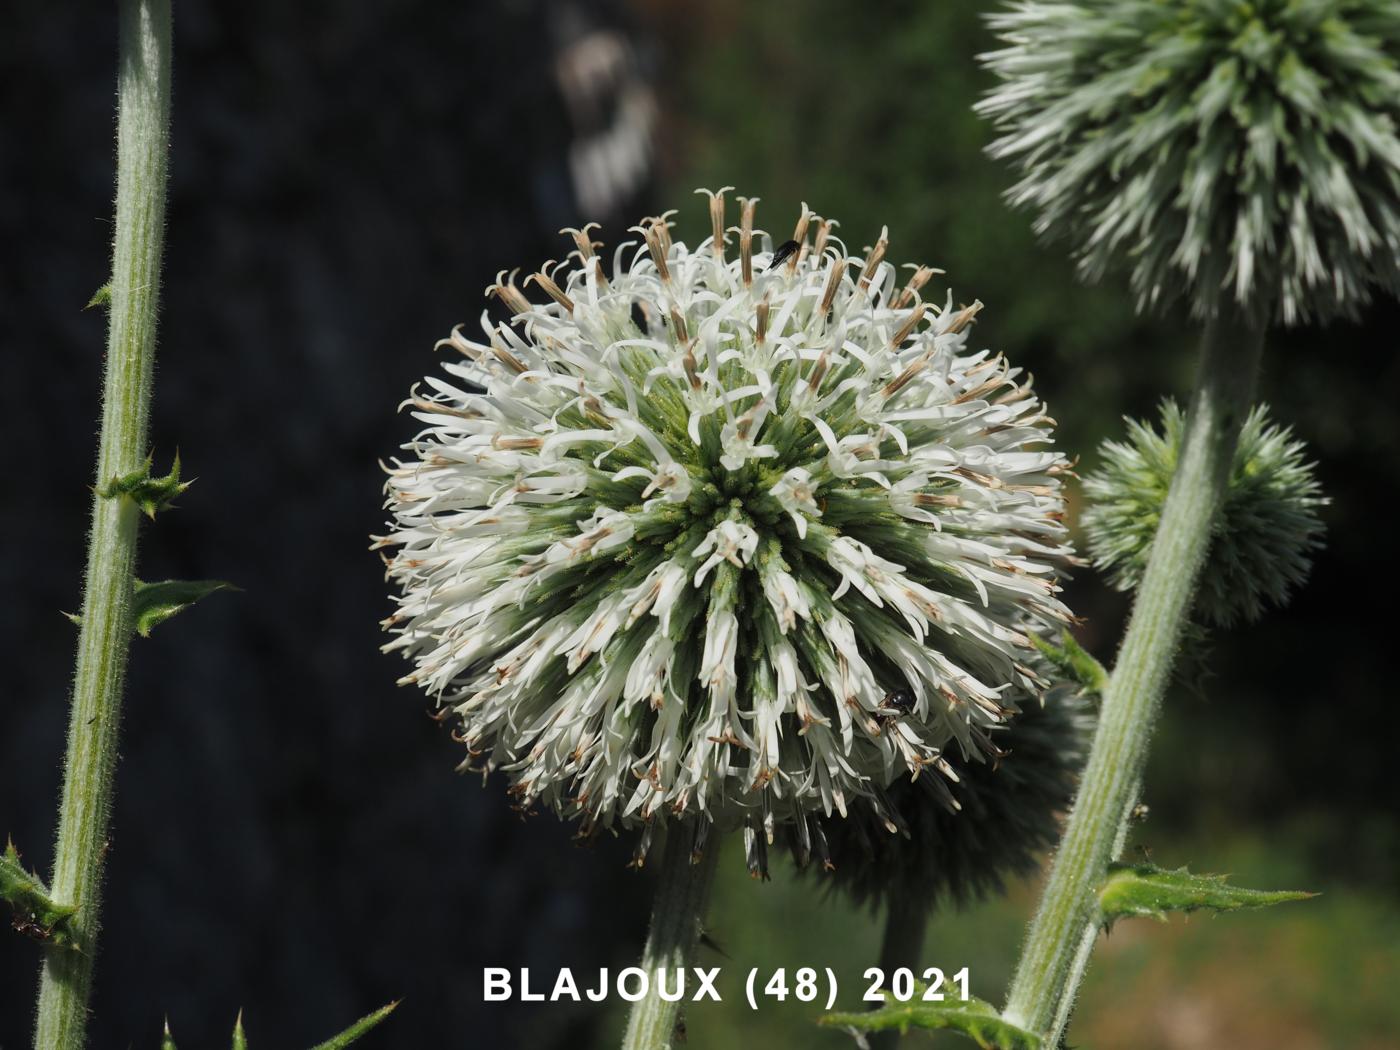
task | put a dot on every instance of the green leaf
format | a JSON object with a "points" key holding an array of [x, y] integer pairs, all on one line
{"points": [[167, 1041], [154, 603], [35, 914], [101, 297], [240, 1041], [151, 494], [359, 1028], [1147, 890], [976, 1019], [1073, 661]]}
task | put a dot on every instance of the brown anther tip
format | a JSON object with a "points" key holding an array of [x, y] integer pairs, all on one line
{"points": [[872, 261], [964, 317], [746, 238], [833, 282], [902, 380], [658, 243], [508, 293], [678, 325], [551, 289], [692, 373], [819, 368], [717, 220], [761, 322], [915, 318], [508, 359], [799, 234], [582, 239]]}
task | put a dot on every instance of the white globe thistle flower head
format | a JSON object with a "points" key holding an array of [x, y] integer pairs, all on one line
{"points": [[1242, 153], [1265, 533], [667, 539]]}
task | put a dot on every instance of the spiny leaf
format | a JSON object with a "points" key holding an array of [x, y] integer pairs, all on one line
{"points": [[151, 494], [974, 1018], [344, 1039], [154, 603], [35, 914], [1073, 661], [1147, 890], [359, 1028], [101, 297]]}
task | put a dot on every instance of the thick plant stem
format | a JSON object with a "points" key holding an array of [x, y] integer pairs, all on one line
{"points": [[676, 917], [906, 920], [1062, 935], [143, 115]]}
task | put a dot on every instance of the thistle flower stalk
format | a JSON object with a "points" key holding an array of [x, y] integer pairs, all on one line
{"points": [[906, 923], [143, 110], [676, 918], [1061, 937]]}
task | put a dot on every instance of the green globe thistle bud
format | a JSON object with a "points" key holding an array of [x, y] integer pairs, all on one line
{"points": [[667, 540], [1223, 149], [1005, 812], [1262, 537]]}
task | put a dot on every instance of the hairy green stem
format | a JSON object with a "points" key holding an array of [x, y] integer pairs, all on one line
{"points": [[143, 117], [906, 920], [676, 919], [1062, 935]]}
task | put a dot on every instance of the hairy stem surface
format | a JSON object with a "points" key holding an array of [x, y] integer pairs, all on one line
{"points": [[676, 917], [143, 115], [1062, 936]]}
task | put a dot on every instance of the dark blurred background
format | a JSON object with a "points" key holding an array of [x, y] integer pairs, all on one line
{"points": [[289, 835]]}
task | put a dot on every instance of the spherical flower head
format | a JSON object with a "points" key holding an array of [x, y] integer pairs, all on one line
{"points": [[959, 842], [1261, 543], [668, 539], [1225, 150]]}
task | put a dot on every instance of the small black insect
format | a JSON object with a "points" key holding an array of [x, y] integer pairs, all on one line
{"points": [[25, 925], [899, 700], [785, 251]]}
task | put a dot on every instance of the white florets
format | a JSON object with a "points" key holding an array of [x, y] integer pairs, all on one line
{"points": [[667, 541]]}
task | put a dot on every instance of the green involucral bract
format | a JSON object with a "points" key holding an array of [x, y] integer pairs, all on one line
{"points": [[667, 541]]}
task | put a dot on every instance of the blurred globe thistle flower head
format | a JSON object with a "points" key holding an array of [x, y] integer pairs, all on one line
{"points": [[1232, 151], [1009, 810], [669, 537], [1261, 544]]}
